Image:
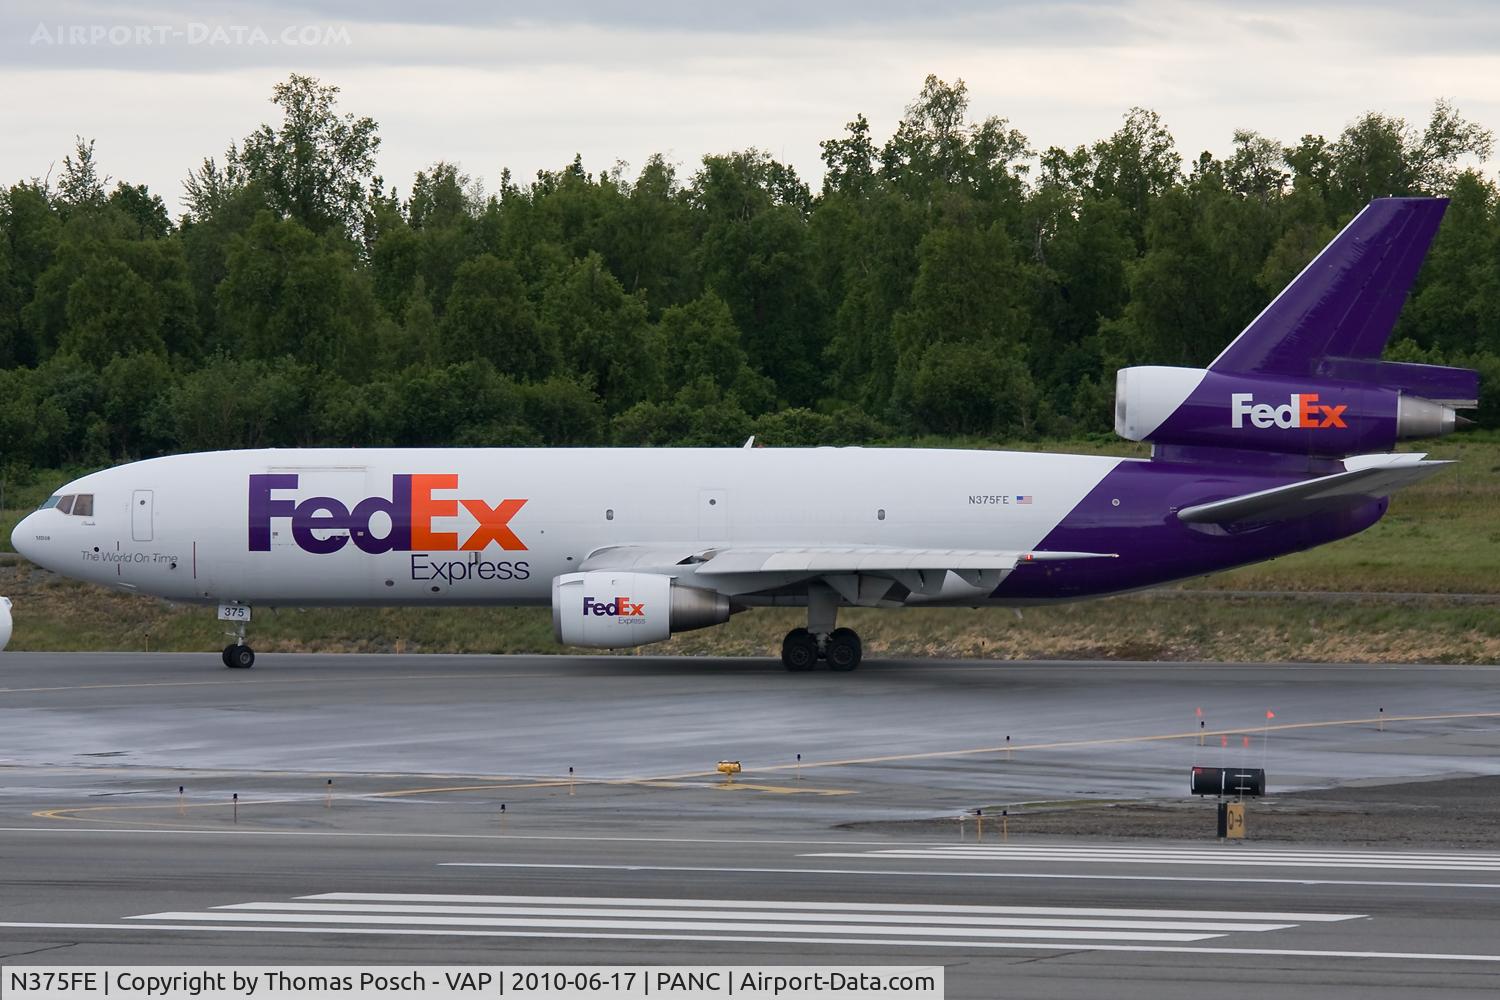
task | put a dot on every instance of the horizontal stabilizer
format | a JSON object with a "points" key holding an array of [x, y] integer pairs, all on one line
{"points": [[1358, 485], [1449, 386]]}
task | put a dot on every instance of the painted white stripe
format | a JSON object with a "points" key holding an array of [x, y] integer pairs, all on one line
{"points": [[935, 873], [1267, 857], [584, 925], [1224, 860], [820, 905], [884, 943], [594, 839], [1173, 855], [1204, 852], [768, 917], [1196, 862]]}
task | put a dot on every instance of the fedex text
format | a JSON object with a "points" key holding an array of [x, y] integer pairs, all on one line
{"points": [[323, 525], [1304, 410], [620, 607]]}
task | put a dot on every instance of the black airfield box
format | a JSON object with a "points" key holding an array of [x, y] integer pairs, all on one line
{"points": [[1241, 782]]}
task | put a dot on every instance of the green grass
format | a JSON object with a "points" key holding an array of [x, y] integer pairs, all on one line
{"points": [[56, 614], [1440, 536]]}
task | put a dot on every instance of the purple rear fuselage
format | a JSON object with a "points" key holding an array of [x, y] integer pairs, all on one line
{"points": [[1133, 513]]}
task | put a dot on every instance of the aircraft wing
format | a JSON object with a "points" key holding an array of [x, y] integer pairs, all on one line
{"points": [[862, 574], [1367, 478], [871, 559]]}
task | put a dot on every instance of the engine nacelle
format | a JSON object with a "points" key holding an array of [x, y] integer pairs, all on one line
{"points": [[1330, 417], [4, 621], [614, 610]]}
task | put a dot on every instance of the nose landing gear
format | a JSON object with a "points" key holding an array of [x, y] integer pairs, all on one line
{"points": [[237, 655]]}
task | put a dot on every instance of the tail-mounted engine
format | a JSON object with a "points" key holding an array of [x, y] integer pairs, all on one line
{"points": [[1329, 417], [615, 610]]}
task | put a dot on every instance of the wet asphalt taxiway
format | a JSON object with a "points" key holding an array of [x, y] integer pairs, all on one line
{"points": [[444, 809]]}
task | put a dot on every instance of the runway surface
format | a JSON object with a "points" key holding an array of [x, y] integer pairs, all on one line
{"points": [[647, 855]]}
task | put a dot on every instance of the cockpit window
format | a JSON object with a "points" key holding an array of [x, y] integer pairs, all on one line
{"points": [[77, 504]]}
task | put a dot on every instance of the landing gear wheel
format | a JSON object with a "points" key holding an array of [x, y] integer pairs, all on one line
{"points": [[799, 650], [239, 657], [843, 649]]}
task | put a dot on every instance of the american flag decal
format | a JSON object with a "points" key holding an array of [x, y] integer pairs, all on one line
{"points": [[1025, 499]]}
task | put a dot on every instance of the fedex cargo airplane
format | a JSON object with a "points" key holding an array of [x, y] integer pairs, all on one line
{"points": [[1284, 442]]}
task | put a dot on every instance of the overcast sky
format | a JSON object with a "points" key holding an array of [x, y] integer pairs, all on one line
{"points": [[494, 85]]}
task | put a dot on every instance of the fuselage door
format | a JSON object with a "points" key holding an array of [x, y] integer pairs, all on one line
{"points": [[142, 509]]}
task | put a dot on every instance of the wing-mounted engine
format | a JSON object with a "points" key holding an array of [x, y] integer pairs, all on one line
{"points": [[612, 610], [1298, 415]]}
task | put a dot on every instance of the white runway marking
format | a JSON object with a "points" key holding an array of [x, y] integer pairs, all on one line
{"points": [[741, 938], [740, 919], [758, 904], [862, 918], [1224, 856], [939, 873], [582, 927]]}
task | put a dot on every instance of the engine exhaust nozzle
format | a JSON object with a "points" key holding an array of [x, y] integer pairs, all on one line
{"points": [[1422, 418]]}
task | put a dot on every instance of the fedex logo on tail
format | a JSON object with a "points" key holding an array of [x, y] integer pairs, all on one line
{"points": [[620, 607], [1304, 410], [323, 525]]}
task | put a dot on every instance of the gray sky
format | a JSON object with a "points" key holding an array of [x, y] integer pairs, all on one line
{"points": [[491, 85]]}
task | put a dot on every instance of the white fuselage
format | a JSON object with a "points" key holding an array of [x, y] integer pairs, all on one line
{"points": [[185, 527]]}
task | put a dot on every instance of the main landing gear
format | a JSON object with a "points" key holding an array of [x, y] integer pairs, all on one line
{"points": [[238, 655], [804, 647]]}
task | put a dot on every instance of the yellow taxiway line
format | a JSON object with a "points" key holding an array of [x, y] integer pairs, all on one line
{"points": [[692, 779]]}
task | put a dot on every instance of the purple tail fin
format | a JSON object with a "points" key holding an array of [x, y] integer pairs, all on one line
{"points": [[1305, 378], [1344, 304]]}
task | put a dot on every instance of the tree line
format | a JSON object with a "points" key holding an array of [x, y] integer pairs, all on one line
{"points": [[950, 281]]}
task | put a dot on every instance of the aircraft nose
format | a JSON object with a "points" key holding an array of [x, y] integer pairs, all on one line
{"points": [[23, 538]]}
